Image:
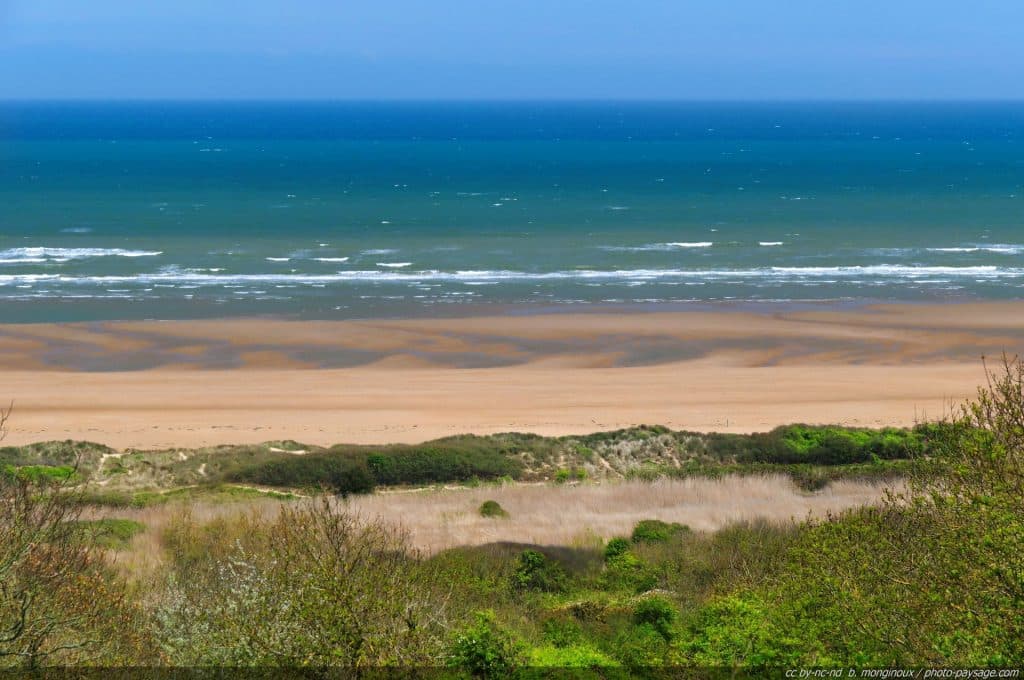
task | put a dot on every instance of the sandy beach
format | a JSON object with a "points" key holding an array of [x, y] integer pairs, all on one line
{"points": [[194, 383]]}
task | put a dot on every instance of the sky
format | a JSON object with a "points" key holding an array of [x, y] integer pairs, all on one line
{"points": [[511, 49]]}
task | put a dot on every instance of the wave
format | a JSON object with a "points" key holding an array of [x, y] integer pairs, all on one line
{"points": [[36, 254], [769, 243], [674, 245], [305, 255], [1002, 248], [778, 274], [394, 265]]}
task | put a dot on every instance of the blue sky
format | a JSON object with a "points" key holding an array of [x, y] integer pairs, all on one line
{"points": [[512, 49]]}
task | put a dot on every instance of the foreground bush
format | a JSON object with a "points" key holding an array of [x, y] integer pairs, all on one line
{"points": [[313, 587], [485, 649], [60, 603], [933, 577]]}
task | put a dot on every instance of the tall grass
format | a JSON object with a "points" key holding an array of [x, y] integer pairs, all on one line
{"points": [[564, 515]]}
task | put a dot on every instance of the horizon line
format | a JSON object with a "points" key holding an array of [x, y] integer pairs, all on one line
{"points": [[516, 100]]}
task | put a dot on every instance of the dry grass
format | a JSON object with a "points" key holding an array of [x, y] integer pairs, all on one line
{"points": [[145, 553], [437, 519], [570, 515]]}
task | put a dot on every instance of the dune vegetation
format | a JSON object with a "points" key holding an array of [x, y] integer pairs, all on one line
{"points": [[628, 552]]}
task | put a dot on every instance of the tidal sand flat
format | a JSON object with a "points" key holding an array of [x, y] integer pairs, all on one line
{"points": [[196, 383]]}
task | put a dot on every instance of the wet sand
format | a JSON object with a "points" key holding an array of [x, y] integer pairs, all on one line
{"points": [[194, 383]]}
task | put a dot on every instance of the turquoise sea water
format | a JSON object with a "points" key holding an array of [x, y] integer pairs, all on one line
{"points": [[156, 210]]}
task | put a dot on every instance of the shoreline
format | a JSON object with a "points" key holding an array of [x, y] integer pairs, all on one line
{"points": [[465, 310], [158, 384]]}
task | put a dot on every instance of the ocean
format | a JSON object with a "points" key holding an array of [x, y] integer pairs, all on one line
{"points": [[361, 210]]}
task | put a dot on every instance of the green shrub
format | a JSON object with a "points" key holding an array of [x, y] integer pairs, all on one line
{"points": [[615, 547], [310, 585], [584, 452], [338, 474], [485, 650], [828, 445], [738, 631], [640, 647], [439, 462], [492, 509], [930, 577], [628, 572], [575, 656], [39, 473], [656, 612], [562, 476], [561, 631], [656, 531], [534, 571]]}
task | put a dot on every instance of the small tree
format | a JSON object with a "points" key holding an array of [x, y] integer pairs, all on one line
{"points": [[59, 603]]}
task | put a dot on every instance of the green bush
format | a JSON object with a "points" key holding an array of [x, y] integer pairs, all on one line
{"points": [[561, 631], [656, 612], [534, 571], [39, 473], [628, 572], [640, 647], [574, 656], [439, 462], [932, 576], [338, 474], [828, 445], [656, 531], [738, 631], [309, 585], [485, 650], [492, 509], [615, 547]]}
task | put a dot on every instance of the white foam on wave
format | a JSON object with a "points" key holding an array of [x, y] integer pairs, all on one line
{"points": [[873, 273], [647, 247], [900, 271], [278, 259], [1001, 248], [769, 243], [34, 254], [379, 251], [331, 259], [394, 265]]}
